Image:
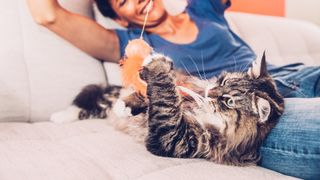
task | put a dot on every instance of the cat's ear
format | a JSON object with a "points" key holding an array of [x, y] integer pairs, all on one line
{"points": [[259, 68], [264, 109]]}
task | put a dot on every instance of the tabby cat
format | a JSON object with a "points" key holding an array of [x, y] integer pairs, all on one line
{"points": [[223, 120]]}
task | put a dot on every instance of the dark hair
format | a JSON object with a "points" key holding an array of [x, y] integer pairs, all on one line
{"points": [[105, 8]]}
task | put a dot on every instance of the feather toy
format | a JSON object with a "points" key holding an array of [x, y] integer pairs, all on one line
{"points": [[136, 51]]}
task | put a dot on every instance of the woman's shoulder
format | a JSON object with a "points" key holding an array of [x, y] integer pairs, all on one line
{"points": [[208, 7]]}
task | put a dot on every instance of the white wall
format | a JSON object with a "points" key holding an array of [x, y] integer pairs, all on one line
{"points": [[304, 9]]}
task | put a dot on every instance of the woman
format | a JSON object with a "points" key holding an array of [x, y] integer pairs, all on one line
{"points": [[201, 42]]}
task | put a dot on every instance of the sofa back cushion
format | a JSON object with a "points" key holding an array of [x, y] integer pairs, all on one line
{"points": [[40, 73], [285, 40], [14, 86]]}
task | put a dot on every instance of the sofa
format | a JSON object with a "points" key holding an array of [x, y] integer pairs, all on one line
{"points": [[40, 74]]}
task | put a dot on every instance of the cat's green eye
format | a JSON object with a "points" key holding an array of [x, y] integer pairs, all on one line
{"points": [[230, 102]]}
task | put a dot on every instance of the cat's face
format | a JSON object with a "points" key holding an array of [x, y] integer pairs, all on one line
{"points": [[247, 104]]}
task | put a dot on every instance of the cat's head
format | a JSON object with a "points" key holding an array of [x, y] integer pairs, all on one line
{"points": [[249, 105]]}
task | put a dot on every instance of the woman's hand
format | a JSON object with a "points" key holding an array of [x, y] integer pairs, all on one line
{"points": [[79, 30]]}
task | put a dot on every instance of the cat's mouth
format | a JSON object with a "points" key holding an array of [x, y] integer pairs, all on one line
{"points": [[204, 103]]}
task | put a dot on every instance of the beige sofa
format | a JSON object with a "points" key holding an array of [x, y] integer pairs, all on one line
{"points": [[40, 74]]}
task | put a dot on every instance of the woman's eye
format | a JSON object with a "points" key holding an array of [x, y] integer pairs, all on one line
{"points": [[122, 2], [230, 102]]}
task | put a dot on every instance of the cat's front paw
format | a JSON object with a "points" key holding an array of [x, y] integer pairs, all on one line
{"points": [[121, 110], [155, 64]]}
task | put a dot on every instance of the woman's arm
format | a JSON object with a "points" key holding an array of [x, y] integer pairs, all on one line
{"points": [[81, 31]]}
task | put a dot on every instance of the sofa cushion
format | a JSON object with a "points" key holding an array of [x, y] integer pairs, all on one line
{"points": [[14, 86], [285, 40], [40, 72], [92, 149]]}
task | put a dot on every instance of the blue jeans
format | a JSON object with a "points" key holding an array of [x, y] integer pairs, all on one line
{"points": [[293, 146]]}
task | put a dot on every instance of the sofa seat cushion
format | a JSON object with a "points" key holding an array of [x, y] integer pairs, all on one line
{"points": [[92, 149]]}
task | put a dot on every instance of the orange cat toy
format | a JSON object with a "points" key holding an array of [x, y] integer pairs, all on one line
{"points": [[136, 51]]}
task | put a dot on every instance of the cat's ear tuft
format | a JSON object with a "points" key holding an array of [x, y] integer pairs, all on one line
{"points": [[264, 109], [259, 68]]}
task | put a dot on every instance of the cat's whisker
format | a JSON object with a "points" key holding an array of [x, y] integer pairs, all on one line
{"points": [[244, 67], [197, 97], [235, 63], [204, 72], [195, 65], [208, 88], [185, 68]]}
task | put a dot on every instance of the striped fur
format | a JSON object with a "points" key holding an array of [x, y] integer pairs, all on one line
{"points": [[224, 120]]}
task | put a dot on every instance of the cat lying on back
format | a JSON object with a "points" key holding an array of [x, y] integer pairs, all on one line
{"points": [[223, 120]]}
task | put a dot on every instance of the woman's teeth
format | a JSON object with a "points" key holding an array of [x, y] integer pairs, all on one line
{"points": [[148, 8]]}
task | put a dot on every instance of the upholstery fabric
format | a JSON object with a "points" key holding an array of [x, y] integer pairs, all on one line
{"points": [[93, 150], [14, 86], [40, 72], [285, 40]]}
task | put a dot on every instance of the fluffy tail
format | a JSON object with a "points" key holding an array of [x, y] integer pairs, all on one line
{"points": [[95, 100]]}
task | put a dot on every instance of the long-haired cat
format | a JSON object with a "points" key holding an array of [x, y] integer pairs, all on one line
{"points": [[223, 120]]}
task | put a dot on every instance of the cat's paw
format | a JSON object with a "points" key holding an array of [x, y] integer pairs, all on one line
{"points": [[120, 109], [155, 64], [65, 116]]}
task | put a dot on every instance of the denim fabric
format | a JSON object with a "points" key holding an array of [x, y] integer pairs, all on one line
{"points": [[293, 146], [297, 80]]}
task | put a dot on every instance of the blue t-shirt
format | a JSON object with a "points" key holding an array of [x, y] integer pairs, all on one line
{"points": [[215, 49]]}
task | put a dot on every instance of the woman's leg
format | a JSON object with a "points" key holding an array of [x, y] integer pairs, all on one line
{"points": [[293, 146], [297, 81]]}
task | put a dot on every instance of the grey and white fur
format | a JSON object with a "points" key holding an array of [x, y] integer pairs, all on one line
{"points": [[223, 120]]}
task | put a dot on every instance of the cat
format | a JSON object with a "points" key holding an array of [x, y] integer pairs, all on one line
{"points": [[223, 119]]}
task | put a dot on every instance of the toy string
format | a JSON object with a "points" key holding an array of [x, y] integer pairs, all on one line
{"points": [[146, 17]]}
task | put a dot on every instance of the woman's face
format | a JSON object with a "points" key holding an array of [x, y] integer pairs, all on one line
{"points": [[133, 12]]}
